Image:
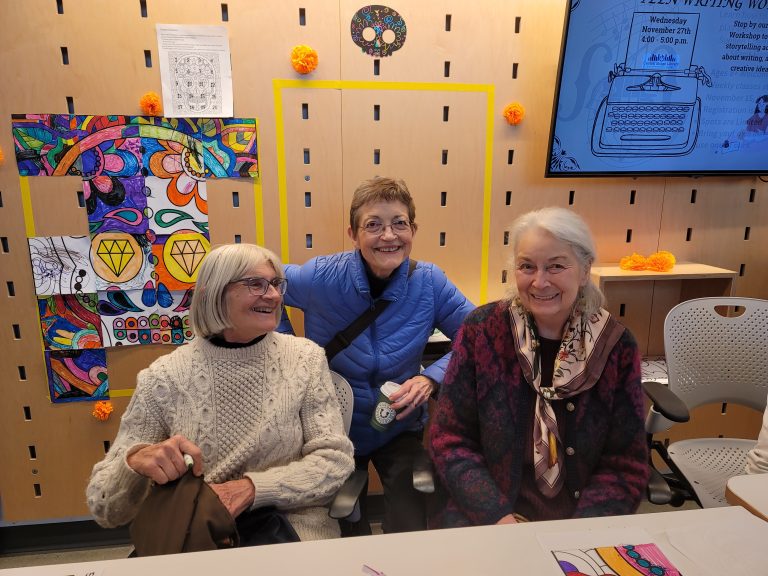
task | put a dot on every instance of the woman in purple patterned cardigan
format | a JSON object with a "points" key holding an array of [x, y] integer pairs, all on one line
{"points": [[541, 413]]}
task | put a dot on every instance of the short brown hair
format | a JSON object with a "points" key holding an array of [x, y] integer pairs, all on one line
{"points": [[380, 189]]}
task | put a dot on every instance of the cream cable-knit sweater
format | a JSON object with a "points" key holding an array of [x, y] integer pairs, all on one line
{"points": [[266, 411], [757, 459]]}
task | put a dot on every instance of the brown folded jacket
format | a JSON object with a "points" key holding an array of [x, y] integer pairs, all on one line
{"points": [[185, 515]]}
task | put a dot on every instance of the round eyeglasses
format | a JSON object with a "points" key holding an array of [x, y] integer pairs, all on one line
{"points": [[375, 228], [259, 286]]}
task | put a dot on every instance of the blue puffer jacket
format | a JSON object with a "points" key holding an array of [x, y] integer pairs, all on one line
{"points": [[333, 291]]}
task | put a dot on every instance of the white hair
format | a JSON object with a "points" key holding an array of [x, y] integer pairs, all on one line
{"points": [[568, 227], [222, 266]]}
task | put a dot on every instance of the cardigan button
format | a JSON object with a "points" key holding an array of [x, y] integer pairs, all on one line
{"points": [[570, 407], [576, 494], [570, 451]]}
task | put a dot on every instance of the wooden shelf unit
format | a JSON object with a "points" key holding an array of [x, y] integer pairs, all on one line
{"points": [[642, 299]]}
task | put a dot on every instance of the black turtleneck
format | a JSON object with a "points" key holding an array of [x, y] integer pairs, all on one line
{"points": [[219, 341], [377, 285]]}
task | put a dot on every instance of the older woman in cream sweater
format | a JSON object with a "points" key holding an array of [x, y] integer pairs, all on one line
{"points": [[255, 409], [757, 459]]}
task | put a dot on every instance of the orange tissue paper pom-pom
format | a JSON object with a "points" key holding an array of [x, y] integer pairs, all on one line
{"points": [[634, 262], [151, 105], [661, 261], [514, 113], [102, 410], [303, 59]]}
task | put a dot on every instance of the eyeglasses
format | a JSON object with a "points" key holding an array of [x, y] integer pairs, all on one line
{"points": [[374, 227], [259, 286]]}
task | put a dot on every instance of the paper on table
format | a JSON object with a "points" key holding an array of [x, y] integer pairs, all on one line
{"points": [[735, 546], [195, 71], [592, 538], [605, 551]]}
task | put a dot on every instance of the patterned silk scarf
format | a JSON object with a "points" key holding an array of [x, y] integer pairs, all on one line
{"points": [[584, 351]]}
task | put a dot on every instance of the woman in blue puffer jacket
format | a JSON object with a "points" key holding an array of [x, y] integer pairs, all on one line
{"points": [[336, 289]]}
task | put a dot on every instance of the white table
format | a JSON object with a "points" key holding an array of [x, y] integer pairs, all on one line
{"points": [[750, 491], [480, 551]]}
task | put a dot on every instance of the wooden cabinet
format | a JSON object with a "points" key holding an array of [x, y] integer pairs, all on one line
{"points": [[642, 299]]}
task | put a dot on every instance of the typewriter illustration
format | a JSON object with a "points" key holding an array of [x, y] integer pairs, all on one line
{"points": [[652, 107], [651, 114]]}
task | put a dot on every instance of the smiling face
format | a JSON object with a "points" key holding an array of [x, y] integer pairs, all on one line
{"points": [[251, 315], [548, 277], [383, 252]]}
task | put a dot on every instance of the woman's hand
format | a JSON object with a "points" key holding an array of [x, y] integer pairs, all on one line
{"points": [[412, 393], [236, 495], [508, 519], [164, 462]]}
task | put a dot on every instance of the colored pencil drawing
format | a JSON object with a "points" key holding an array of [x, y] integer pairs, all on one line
{"points": [[162, 128], [130, 281], [180, 166], [178, 257], [626, 560], [125, 315], [43, 142], [70, 322], [121, 260], [230, 148], [76, 375], [119, 207], [166, 216], [171, 324], [147, 316]]}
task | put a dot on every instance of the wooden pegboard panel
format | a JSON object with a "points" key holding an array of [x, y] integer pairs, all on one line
{"points": [[494, 171], [722, 222]]}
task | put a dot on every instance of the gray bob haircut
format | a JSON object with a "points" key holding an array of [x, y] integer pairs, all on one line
{"points": [[222, 266], [568, 227]]}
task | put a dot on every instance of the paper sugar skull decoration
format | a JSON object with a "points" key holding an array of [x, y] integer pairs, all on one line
{"points": [[378, 30]]}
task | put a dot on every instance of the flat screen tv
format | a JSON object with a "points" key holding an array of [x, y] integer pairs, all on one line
{"points": [[661, 87]]}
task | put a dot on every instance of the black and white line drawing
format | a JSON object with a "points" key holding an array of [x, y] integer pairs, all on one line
{"points": [[653, 107]]}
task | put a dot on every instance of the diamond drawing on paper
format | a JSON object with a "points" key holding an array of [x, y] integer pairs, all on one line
{"points": [[178, 257], [188, 254], [143, 184], [116, 254], [121, 260]]}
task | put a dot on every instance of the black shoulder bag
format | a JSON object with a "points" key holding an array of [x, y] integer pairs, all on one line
{"points": [[344, 338]]}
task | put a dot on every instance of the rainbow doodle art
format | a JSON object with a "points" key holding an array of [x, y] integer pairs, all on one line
{"points": [[144, 188], [626, 560], [70, 322], [75, 375]]}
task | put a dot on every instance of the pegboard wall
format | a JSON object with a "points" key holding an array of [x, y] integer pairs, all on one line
{"points": [[429, 113]]}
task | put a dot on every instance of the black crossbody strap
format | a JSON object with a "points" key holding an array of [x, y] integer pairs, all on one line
{"points": [[345, 337]]}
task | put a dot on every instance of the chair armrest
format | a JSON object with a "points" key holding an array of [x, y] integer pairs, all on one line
{"points": [[346, 498], [659, 491], [666, 402], [423, 473]]}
